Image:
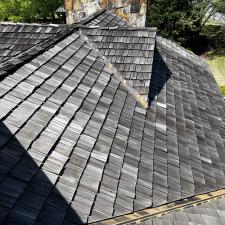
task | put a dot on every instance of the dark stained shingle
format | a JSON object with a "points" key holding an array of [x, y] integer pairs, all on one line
{"points": [[69, 126], [17, 38], [76, 140]]}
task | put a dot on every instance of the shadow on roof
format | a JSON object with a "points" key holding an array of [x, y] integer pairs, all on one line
{"points": [[27, 192], [160, 75]]}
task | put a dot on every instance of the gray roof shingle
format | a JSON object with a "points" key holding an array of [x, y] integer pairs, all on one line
{"points": [[76, 140], [129, 50], [16, 38], [75, 105]]}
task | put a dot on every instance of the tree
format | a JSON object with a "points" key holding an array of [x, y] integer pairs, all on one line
{"points": [[28, 10], [44, 9], [182, 20]]}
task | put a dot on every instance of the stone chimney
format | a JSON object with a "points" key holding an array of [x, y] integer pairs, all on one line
{"points": [[69, 11], [132, 10], [76, 10]]}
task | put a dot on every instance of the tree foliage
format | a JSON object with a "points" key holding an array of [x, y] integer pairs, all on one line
{"points": [[182, 20], [28, 10]]}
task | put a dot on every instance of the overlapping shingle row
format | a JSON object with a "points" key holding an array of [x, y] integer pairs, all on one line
{"points": [[77, 146], [190, 106], [17, 38], [67, 112], [129, 50]]}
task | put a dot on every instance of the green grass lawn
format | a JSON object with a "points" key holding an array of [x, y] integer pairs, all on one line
{"points": [[217, 65], [215, 51], [222, 89]]}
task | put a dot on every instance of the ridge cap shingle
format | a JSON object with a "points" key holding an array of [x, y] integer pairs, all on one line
{"points": [[188, 54], [108, 15], [156, 162], [151, 29]]}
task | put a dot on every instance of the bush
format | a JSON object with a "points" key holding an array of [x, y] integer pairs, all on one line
{"points": [[222, 89]]}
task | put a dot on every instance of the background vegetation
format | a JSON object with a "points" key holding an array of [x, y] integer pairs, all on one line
{"points": [[189, 23], [213, 36], [182, 20], [29, 10], [222, 89]]}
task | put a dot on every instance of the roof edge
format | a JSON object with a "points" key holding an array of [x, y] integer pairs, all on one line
{"points": [[33, 24], [145, 214], [191, 55]]}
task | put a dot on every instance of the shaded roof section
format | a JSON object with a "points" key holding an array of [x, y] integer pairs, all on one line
{"points": [[16, 38], [129, 50], [82, 116], [207, 213]]}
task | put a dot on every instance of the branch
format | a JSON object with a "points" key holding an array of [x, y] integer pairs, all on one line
{"points": [[207, 18]]}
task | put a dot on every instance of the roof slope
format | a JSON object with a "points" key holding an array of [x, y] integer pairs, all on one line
{"points": [[18, 37], [129, 50], [82, 116], [190, 121], [75, 139]]}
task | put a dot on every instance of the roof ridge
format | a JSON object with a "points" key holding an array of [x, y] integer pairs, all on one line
{"points": [[113, 11], [192, 56], [12, 64], [117, 74], [152, 29], [32, 24]]}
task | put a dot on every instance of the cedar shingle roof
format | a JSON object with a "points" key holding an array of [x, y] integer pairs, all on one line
{"points": [[17, 38], [77, 145], [129, 50]]}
